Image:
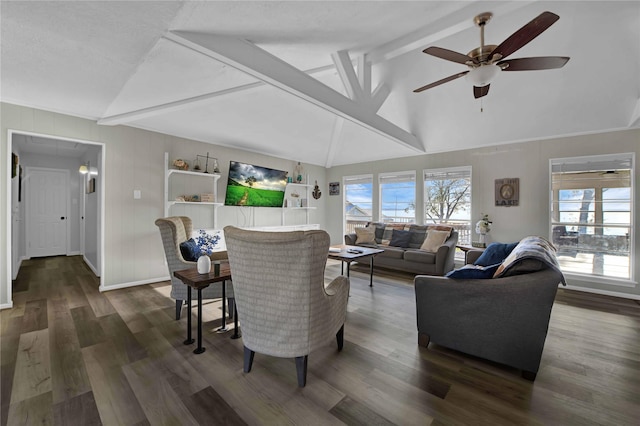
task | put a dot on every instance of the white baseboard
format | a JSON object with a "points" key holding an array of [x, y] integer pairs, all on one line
{"points": [[134, 283], [6, 305], [602, 292], [90, 265]]}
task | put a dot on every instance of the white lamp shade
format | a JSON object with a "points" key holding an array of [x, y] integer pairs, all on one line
{"points": [[483, 75], [84, 169]]}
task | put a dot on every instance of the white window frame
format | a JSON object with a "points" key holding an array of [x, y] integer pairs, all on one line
{"points": [[345, 180], [399, 175], [444, 171], [595, 163]]}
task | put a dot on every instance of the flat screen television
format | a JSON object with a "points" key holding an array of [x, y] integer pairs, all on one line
{"points": [[254, 186]]}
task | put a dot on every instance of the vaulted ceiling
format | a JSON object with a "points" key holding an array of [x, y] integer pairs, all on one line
{"points": [[326, 83]]}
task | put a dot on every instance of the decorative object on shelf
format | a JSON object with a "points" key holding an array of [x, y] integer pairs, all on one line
{"points": [[180, 198], [507, 192], [207, 198], [195, 198], [316, 191], [196, 165], [180, 164], [206, 163], [304, 202], [334, 188], [204, 264], [483, 226], [297, 172]]}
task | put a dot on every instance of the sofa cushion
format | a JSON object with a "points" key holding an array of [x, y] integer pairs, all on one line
{"points": [[447, 228], [400, 238], [365, 236], [392, 252], [418, 235], [473, 272], [379, 232], [420, 256], [495, 253], [434, 240], [190, 250]]}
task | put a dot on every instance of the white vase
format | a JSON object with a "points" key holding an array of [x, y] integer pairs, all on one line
{"points": [[204, 264]]}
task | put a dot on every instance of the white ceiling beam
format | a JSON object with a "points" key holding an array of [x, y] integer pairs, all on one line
{"points": [[139, 114], [458, 20], [364, 73], [635, 117], [347, 74], [335, 141], [249, 58], [379, 96]]}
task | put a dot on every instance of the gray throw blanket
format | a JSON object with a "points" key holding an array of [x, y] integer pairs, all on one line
{"points": [[531, 254]]}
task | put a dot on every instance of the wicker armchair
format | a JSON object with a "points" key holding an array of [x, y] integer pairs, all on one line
{"points": [[282, 303], [175, 230]]}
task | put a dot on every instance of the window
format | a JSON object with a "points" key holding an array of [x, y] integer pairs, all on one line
{"points": [[398, 197], [447, 199], [591, 214], [358, 202]]}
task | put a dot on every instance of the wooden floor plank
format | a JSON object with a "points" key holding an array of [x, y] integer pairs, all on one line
{"points": [[68, 374], [36, 410], [32, 375], [210, 408], [87, 326], [78, 410], [35, 315], [116, 401]]}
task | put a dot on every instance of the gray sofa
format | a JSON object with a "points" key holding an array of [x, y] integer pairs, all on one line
{"points": [[504, 320], [412, 259]]}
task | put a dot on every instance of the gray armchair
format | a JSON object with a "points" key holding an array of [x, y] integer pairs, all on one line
{"points": [[282, 303], [501, 319], [175, 230]]}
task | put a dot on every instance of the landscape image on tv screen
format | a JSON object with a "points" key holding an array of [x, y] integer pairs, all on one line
{"points": [[255, 186]]}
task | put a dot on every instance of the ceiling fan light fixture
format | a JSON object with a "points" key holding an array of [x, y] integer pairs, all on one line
{"points": [[483, 75], [84, 168]]}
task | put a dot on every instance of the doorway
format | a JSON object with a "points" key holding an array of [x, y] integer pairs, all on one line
{"points": [[43, 158]]}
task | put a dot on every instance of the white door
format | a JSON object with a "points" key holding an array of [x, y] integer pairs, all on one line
{"points": [[47, 217]]}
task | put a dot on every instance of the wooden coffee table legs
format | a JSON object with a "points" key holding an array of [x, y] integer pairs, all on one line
{"points": [[348, 262]]}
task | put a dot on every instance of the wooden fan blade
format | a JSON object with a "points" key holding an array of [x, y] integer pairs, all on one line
{"points": [[479, 92], [525, 34], [533, 64], [449, 55], [439, 82]]}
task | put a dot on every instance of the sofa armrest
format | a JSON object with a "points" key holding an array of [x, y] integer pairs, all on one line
{"points": [[473, 255], [350, 239], [445, 256]]}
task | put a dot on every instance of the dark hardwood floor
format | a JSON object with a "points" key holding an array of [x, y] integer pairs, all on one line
{"points": [[74, 356]]}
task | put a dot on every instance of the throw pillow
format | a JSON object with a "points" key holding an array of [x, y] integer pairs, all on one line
{"points": [[190, 250], [434, 240], [495, 253], [447, 228], [473, 272], [400, 238], [379, 233], [365, 236]]}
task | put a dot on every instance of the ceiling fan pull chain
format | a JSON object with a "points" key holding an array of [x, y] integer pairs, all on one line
{"points": [[481, 105]]}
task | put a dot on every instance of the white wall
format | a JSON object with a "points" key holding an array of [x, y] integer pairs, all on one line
{"points": [[528, 161], [134, 159]]}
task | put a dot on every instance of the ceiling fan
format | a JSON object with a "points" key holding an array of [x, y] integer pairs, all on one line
{"points": [[486, 61]]}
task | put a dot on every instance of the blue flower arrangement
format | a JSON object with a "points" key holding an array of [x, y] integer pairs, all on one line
{"points": [[206, 241]]}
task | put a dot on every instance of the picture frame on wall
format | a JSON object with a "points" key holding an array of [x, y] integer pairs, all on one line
{"points": [[507, 192], [334, 188], [91, 185]]}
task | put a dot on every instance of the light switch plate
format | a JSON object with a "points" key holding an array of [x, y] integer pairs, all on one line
{"points": [[137, 194]]}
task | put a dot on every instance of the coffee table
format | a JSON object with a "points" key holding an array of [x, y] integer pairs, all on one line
{"points": [[194, 279], [348, 254]]}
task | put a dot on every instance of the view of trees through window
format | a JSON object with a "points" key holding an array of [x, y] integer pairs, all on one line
{"points": [[447, 199]]}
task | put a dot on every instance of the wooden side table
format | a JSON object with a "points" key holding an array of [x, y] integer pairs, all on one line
{"points": [[194, 279], [466, 249]]}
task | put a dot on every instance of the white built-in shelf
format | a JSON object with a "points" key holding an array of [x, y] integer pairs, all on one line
{"points": [[304, 189], [187, 174]]}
